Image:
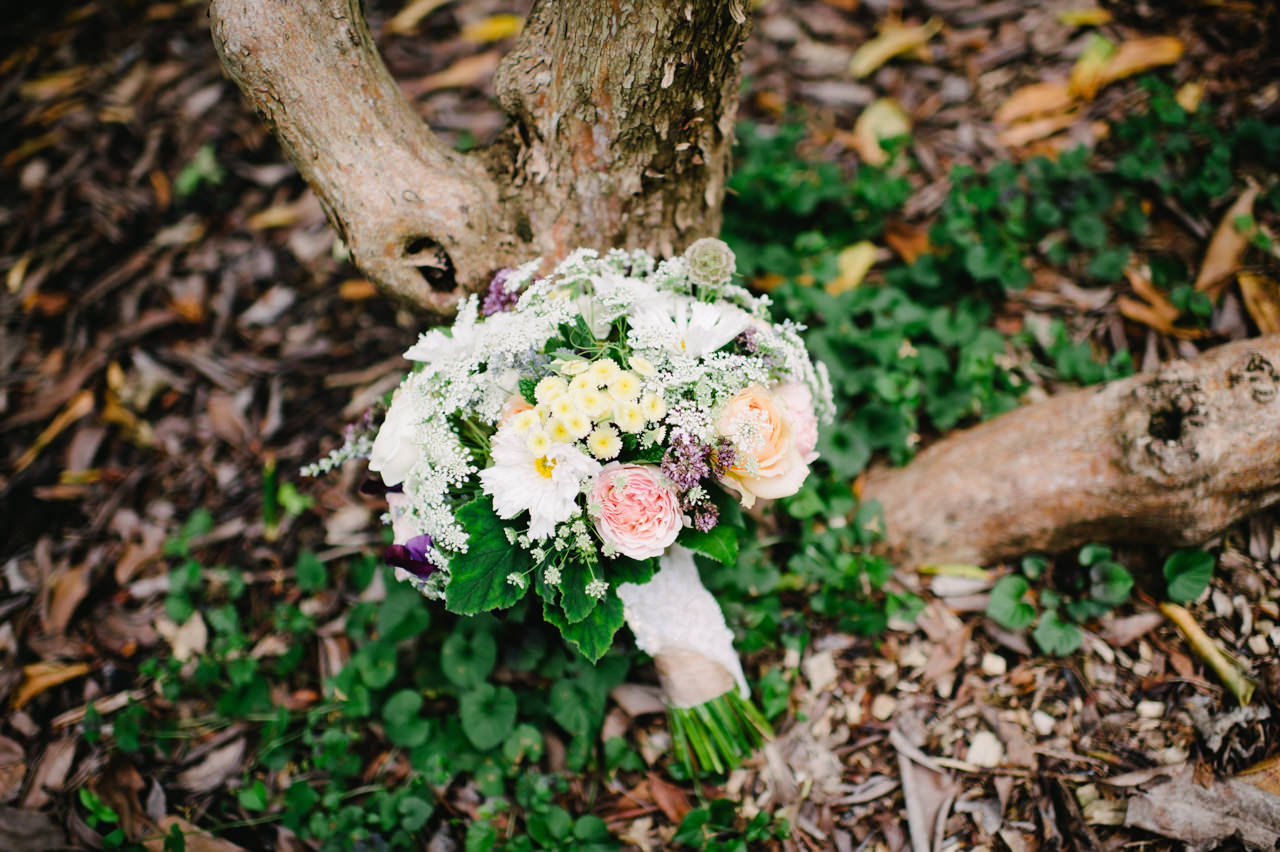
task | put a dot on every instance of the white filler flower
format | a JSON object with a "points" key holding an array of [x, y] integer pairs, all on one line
{"points": [[687, 326], [545, 486]]}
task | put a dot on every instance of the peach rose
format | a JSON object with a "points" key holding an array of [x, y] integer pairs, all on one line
{"points": [[769, 463], [635, 509], [513, 406], [798, 400]]}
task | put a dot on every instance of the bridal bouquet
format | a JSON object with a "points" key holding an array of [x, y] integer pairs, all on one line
{"points": [[580, 436]]}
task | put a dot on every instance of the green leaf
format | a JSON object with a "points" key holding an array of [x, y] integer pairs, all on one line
{"points": [[524, 743], [478, 578], [311, 572], [481, 836], [402, 708], [1006, 606], [1056, 636], [254, 797], [1188, 573], [1111, 583], [574, 600], [414, 813], [720, 543], [376, 663], [1092, 553], [624, 569], [593, 636], [467, 657], [488, 715], [527, 387]]}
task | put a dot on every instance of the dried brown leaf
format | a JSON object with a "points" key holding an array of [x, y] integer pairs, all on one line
{"points": [[407, 19], [909, 241], [1226, 249], [1026, 132], [1036, 99], [28, 829], [1142, 54], [39, 677], [69, 589], [669, 798], [78, 407], [13, 768], [1264, 775], [467, 71], [893, 40], [1203, 815], [1088, 75], [195, 840], [217, 766], [51, 772], [1262, 300]]}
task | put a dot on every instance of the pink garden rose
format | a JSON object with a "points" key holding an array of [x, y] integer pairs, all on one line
{"points": [[798, 400], [635, 510], [768, 460]]}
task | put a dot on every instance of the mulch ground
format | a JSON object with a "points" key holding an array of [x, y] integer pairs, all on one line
{"points": [[178, 317]]}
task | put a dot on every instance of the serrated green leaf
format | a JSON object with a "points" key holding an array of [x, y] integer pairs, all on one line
{"points": [[593, 636], [720, 543], [575, 603], [478, 578]]}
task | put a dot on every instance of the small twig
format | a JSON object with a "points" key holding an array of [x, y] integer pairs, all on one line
{"points": [[1229, 672]]}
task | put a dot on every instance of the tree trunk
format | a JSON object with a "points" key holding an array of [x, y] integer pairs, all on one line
{"points": [[622, 127], [1169, 457]]}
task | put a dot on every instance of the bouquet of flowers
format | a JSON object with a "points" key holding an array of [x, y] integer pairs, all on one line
{"points": [[581, 435]]}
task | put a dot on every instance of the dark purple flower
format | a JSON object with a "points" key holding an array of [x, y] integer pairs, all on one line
{"points": [[499, 298], [413, 556], [747, 341]]}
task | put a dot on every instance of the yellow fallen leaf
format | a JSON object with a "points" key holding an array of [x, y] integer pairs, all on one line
{"points": [[467, 71], [909, 241], [1261, 300], [1222, 258], [882, 119], [854, 262], [1153, 317], [1264, 775], [492, 28], [1190, 94], [80, 405], [1142, 54], [1089, 73], [1086, 16], [1150, 294], [1035, 99], [39, 677], [275, 216], [1037, 128], [894, 39], [407, 19]]}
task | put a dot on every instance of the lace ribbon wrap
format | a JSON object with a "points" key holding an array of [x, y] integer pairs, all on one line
{"points": [[677, 622]]}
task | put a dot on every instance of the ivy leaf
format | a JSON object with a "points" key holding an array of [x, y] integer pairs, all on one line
{"points": [[720, 543], [1006, 606], [1111, 583], [1188, 573], [592, 636], [488, 715], [1056, 636], [478, 578]]}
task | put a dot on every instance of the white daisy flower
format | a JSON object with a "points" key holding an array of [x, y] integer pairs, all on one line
{"points": [[545, 486], [687, 326]]}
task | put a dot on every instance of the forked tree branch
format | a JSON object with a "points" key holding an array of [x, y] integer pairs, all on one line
{"points": [[1169, 457], [623, 117]]}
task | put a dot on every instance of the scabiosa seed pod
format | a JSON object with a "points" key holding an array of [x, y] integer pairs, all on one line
{"points": [[710, 262]]}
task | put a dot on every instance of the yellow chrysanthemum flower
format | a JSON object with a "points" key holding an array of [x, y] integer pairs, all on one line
{"points": [[559, 432], [562, 406], [550, 388], [603, 370], [643, 366], [604, 443], [583, 381], [538, 442], [624, 385], [653, 406], [592, 403], [628, 416], [525, 420]]}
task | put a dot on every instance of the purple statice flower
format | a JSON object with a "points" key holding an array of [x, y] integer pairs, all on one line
{"points": [[499, 298], [721, 457], [706, 517], [685, 462], [413, 556]]}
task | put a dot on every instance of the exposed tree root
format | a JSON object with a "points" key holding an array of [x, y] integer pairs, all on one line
{"points": [[1170, 457]]}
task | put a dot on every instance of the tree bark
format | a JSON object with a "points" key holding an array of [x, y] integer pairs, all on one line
{"points": [[1169, 457], [622, 127]]}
